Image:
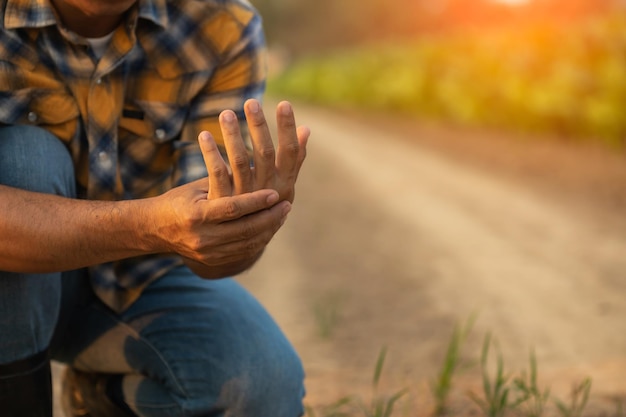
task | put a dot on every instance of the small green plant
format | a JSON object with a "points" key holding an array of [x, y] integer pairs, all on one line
{"points": [[350, 406], [496, 391], [578, 400], [521, 395], [380, 406], [442, 385], [530, 398]]}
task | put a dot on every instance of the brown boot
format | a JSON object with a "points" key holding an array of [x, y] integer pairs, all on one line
{"points": [[85, 395]]}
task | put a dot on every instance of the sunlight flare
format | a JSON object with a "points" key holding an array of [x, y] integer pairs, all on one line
{"points": [[511, 2]]}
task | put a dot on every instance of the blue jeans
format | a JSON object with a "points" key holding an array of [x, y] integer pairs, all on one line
{"points": [[187, 347]]}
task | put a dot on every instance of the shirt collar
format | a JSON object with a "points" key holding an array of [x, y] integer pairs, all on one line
{"points": [[39, 13], [155, 11]]}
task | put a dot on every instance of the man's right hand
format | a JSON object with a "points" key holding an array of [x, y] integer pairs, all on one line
{"points": [[221, 236]]}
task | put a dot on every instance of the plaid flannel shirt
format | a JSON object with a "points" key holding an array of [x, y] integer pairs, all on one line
{"points": [[131, 119]]}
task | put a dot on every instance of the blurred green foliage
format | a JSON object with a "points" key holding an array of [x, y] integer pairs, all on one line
{"points": [[568, 80]]}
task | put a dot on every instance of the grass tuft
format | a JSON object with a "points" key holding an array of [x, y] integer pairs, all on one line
{"points": [[496, 388], [521, 396], [531, 399], [578, 400], [442, 385], [350, 406]]}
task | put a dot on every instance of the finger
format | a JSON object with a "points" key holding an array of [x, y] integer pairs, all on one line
{"points": [[238, 206], [264, 154], [258, 226], [237, 153], [243, 238], [303, 133], [219, 177], [288, 152]]}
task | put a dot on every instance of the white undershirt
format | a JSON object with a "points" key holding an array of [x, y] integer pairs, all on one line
{"points": [[99, 45]]}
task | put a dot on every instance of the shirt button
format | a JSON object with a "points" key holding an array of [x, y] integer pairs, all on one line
{"points": [[104, 159], [160, 134], [32, 117]]}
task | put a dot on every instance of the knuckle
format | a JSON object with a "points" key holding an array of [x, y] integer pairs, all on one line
{"points": [[212, 153], [191, 220], [240, 161], [232, 209], [248, 230], [232, 133], [257, 122], [267, 153], [292, 149], [288, 122], [219, 172], [195, 244]]}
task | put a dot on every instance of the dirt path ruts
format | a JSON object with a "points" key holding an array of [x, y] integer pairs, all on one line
{"points": [[404, 233]]}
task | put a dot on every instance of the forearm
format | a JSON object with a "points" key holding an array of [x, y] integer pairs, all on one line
{"points": [[45, 233]]}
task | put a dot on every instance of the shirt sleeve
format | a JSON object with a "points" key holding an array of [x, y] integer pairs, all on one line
{"points": [[240, 75]]}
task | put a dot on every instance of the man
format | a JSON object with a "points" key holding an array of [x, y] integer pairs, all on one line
{"points": [[112, 238]]}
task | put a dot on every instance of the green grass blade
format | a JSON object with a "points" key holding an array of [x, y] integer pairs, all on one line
{"points": [[379, 366], [483, 361], [392, 401]]}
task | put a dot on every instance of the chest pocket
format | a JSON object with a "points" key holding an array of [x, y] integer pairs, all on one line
{"points": [[29, 94], [53, 110], [158, 121], [148, 139]]}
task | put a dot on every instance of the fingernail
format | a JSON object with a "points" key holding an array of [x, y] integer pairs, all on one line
{"points": [[228, 116], [254, 106], [285, 109], [286, 210], [272, 198]]}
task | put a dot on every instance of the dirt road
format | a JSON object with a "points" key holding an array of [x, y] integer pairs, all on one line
{"points": [[400, 232]]}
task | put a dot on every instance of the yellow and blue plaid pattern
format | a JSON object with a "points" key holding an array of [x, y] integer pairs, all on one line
{"points": [[131, 119]]}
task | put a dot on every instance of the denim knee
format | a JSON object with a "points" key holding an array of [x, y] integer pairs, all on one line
{"points": [[31, 158], [274, 386], [219, 352]]}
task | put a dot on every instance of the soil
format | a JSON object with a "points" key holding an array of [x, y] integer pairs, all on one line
{"points": [[403, 229]]}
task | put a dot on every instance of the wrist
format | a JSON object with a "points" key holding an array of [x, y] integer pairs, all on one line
{"points": [[151, 234]]}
